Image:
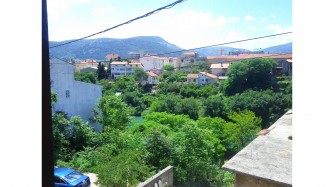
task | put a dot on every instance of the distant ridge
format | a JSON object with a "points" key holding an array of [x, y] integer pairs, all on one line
{"points": [[284, 48], [98, 48]]}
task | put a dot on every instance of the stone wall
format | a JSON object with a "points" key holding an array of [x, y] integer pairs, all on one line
{"points": [[162, 179]]}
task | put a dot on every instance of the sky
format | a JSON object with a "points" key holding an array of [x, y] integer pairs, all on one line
{"points": [[191, 24]]}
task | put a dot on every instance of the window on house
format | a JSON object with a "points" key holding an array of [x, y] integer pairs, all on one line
{"points": [[67, 93]]}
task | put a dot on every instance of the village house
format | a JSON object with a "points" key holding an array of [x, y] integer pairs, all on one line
{"points": [[192, 78], [219, 69], [85, 64], [152, 78], [119, 69], [206, 78], [113, 57], [267, 160], [174, 61], [151, 62], [157, 71], [75, 98], [135, 54], [190, 57], [202, 78]]}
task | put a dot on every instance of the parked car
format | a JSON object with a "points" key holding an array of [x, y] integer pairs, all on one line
{"points": [[66, 177]]}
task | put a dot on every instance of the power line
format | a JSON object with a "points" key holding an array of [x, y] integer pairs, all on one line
{"points": [[127, 22], [238, 41]]}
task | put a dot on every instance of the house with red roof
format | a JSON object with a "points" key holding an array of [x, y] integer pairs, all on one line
{"points": [[202, 78], [219, 69], [152, 78], [113, 57]]}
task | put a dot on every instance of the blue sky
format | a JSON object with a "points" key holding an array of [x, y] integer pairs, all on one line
{"points": [[191, 24]]}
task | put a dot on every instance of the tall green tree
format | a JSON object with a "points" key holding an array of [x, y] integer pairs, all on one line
{"points": [[101, 72], [249, 74], [112, 113]]}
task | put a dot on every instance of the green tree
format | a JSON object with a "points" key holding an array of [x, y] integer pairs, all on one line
{"points": [[88, 77], [214, 106], [112, 113], [159, 149], [168, 67], [171, 120], [240, 131], [140, 75], [101, 72], [54, 98], [125, 169], [249, 74], [193, 152], [60, 133], [266, 104]]}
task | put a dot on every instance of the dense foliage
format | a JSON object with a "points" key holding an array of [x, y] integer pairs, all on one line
{"points": [[254, 73], [195, 129]]}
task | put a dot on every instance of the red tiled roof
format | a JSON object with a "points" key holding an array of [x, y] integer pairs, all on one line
{"points": [[151, 74], [209, 75], [192, 76], [189, 53], [110, 56], [220, 66]]}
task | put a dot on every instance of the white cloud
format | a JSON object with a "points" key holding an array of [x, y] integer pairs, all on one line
{"points": [[102, 10], [263, 20], [273, 16], [278, 29], [253, 28], [233, 19], [187, 29], [249, 18]]}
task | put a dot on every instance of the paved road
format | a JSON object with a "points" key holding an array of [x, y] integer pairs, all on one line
{"points": [[93, 179]]}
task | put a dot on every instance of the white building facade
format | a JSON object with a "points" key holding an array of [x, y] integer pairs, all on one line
{"points": [[206, 78], [75, 98], [120, 69], [151, 62]]}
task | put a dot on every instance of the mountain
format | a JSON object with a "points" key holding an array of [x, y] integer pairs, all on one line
{"points": [[217, 51], [99, 48], [285, 48]]}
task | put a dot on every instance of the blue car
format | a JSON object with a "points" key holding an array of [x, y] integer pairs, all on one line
{"points": [[65, 177]]}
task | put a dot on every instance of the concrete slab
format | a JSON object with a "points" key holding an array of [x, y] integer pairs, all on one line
{"points": [[268, 156]]}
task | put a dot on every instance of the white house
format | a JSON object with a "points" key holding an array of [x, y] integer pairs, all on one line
{"points": [[119, 69], [152, 78], [192, 78], [151, 62], [219, 69], [206, 78], [75, 98]]}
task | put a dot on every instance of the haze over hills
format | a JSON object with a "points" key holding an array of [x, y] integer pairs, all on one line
{"points": [[98, 48]]}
